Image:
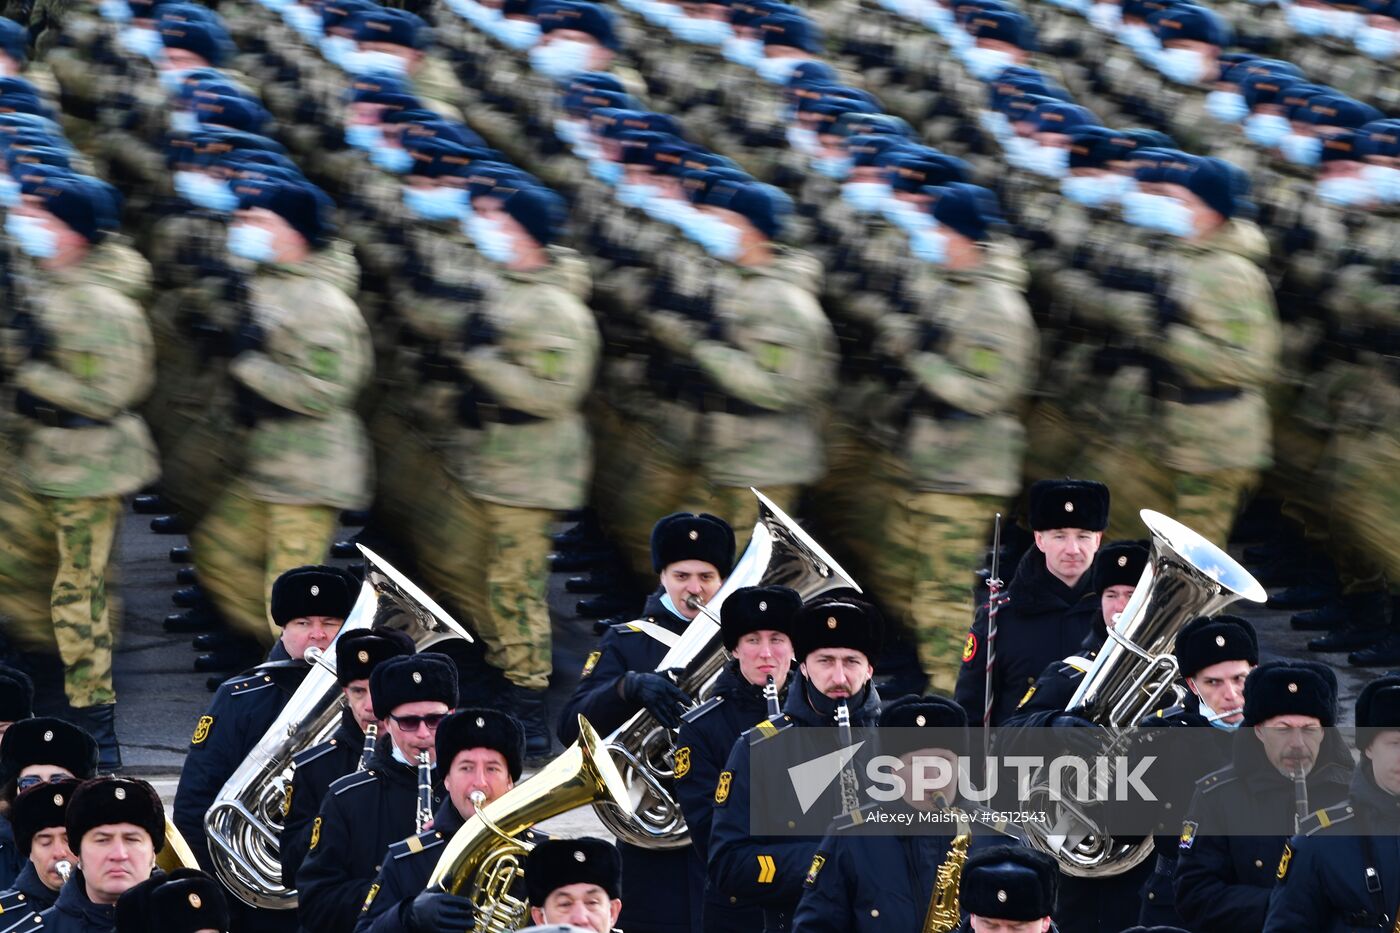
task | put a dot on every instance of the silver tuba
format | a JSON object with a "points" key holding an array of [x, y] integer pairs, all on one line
{"points": [[779, 554], [246, 819], [1186, 576]]}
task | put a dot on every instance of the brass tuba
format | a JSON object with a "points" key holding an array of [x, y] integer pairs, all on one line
{"points": [[483, 860], [779, 554], [246, 819], [1186, 576]]}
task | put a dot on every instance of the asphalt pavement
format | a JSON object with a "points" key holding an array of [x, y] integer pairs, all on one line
{"points": [[160, 697]]}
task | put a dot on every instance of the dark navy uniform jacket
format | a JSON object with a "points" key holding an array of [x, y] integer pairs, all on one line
{"points": [[656, 883], [240, 713], [316, 769], [1324, 884], [876, 883], [73, 912], [1214, 748], [11, 860], [706, 738], [364, 814], [406, 871], [1223, 876], [1040, 621], [29, 896], [768, 871]]}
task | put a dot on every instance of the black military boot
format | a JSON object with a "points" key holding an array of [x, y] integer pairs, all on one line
{"points": [[152, 504], [187, 576], [181, 554], [200, 618], [531, 707], [101, 724], [170, 525], [187, 597], [1340, 613]]}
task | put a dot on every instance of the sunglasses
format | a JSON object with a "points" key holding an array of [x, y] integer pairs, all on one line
{"points": [[33, 780], [411, 723]]}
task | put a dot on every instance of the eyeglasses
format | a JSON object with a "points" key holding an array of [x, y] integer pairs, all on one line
{"points": [[33, 780], [411, 723]]}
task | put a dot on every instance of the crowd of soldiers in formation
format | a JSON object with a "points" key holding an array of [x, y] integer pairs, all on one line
{"points": [[82, 849], [888, 263]]}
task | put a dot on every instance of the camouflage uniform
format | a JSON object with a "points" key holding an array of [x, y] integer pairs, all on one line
{"points": [[967, 359], [306, 453], [84, 449]]}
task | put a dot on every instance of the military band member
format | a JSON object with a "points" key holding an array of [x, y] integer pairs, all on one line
{"points": [[309, 604], [837, 641], [41, 833], [1007, 889], [367, 811], [184, 901], [117, 825], [357, 654], [37, 751], [16, 700], [575, 882], [481, 751], [692, 554], [756, 623], [1043, 614], [1225, 868], [1215, 656], [1342, 870], [885, 882]]}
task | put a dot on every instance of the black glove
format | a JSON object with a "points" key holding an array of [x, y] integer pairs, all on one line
{"points": [[33, 337], [662, 698], [1081, 736], [479, 331], [439, 912], [250, 337]]}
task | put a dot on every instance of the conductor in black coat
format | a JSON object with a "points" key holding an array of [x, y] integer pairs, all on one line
{"points": [[1043, 615]]}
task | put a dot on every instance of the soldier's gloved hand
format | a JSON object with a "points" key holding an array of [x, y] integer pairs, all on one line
{"points": [[250, 337], [657, 694], [479, 331], [33, 337], [1078, 735], [439, 912]]}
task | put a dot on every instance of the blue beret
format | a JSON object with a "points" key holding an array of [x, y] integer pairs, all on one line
{"points": [[1060, 117], [207, 40], [913, 169], [302, 205], [1297, 98], [872, 124], [764, 206], [540, 211], [1188, 21], [580, 102], [1004, 26], [1337, 110], [789, 31], [812, 72], [236, 113], [39, 155], [390, 25], [866, 150], [965, 209], [89, 206], [497, 179], [383, 89], [334, 13], [1381, 138], [1266, 88], [595, 81], [438, 158], [590, 18], [14, 39], [1096, 146]]}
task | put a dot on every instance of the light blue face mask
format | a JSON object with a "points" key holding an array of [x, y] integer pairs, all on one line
{"points": [[138, 40], [778, 70], [1048, 162], [1182, 66], [491, 241], [995, 124], [832, 166], [701, 31], [363, 136], [1307, 20], [32, 236], [670, 211], [204, 191], [1301, 150], [1019, 149], [1098, 191], [114, 11], [1158, 212], [172, 78], [1105, 17], [251, 243], [561, 60], [929, 244], [516, 34], [635, 195], [306, 21], [1226, 106], [1380, 44], [392, 159], [745, 52], [609, 173], [337, 49], [662, 14], [569, 132], [865, 196], [1384, 180], [184, 121], [436, 203], [9, 192], [1139, 38], [905, 216], [375, 63], [722, 241], [800, 139], [1266, 130], [1346, 192], [986, 64]]}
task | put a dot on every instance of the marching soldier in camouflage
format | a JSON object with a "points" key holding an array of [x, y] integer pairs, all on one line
{"points": [[964, 358], [305, 355], [89, 361]]}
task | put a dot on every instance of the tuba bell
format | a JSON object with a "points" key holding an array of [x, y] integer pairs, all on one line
{"points": [[246, 819], [483, 860], [779, 554], [1186, 576]]}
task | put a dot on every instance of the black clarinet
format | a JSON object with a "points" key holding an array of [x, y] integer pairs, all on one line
{"points": [[770, 695], [371, 733], [425, 793], [1300, 798]]}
